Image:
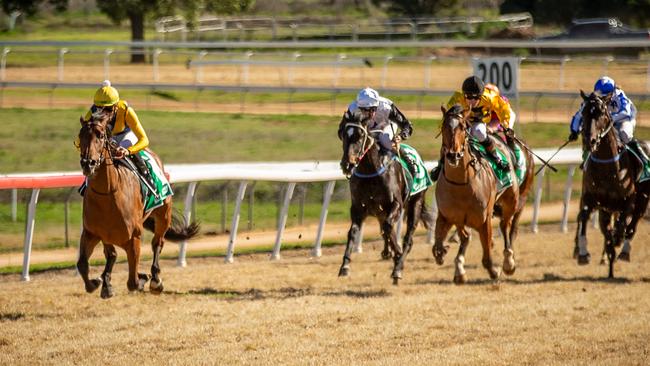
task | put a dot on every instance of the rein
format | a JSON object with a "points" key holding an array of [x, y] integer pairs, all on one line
{"points": [[366, 138], [599, 137], [464, 147]]}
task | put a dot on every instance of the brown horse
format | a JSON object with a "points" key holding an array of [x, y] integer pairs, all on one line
{"points": [[466, 194], [113, 212], [608, 184]]}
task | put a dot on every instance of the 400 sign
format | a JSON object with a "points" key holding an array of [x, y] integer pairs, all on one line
{"points": [[500, 71]]}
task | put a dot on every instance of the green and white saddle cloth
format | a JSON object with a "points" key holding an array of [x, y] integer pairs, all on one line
{"points": [[421, 181], [163, 188], [645, 172], [504, 178]]}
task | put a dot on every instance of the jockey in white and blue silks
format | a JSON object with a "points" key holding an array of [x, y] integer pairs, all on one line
{"points": [[384, 117], [621, 107], [622, 110]]}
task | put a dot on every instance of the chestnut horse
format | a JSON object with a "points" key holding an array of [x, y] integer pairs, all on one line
{"points": [[113, 212], [608, 183], [466, 194], [378, 188]]}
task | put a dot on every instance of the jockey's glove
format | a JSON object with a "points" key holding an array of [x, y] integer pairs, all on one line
{"points": [[405, 134], [509, 132], [573, 136]]}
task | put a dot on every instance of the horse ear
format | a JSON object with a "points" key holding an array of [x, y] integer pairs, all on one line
{"points": [[442, 108], [582, 94], [81, 120]]}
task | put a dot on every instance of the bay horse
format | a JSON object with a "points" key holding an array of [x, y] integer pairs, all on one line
{"points": [[113, 212], [378, 188], [609, 184], [466, 194]]}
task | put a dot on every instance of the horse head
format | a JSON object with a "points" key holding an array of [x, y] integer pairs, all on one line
{"points": [[356, 143], [94, 141], [597, 120], [454, 133]]}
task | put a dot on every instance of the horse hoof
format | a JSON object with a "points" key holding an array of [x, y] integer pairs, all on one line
{"points": [[624, 256], [395, 281], [584, 259], [509, 271], [93, 284], [385, 255], [107, 292], [495, 273], [156, 287], [143, 278], [344, 272], [460, 279]]}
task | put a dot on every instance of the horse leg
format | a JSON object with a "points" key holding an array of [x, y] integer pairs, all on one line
{"points": [[390, 236], [439, 250], [157, 243], [485, 233], [581, 235], [386, 253], [413, 211], [87, 244], [136, 280], [111, 256], [604, 221], [506, 227], [460, 276], [355, 230], [639, 210]]}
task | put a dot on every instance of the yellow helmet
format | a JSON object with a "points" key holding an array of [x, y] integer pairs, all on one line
{"points": [[106, 95]]}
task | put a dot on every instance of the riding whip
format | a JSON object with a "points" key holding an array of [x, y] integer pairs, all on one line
{"points": [[546, 163], [552, 156]]}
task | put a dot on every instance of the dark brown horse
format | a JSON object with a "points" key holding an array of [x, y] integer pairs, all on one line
{"points": [[608, 183], [378, 188], [113, 212], [466, 195]]}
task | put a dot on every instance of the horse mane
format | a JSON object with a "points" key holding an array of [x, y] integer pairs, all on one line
{"points": [[455, 109]]}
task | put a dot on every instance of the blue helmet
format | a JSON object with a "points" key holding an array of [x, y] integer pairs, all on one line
{"points": [[367, 98], [604, 86]]}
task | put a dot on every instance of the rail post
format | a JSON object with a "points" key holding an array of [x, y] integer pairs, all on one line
{"points": [[327, 197], [189, 199], [29, 232], [567, 197], [283, 220], [241, 192]]}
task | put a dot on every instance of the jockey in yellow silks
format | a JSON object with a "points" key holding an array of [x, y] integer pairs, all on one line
{"points": [[487, 109], [125, 127]]}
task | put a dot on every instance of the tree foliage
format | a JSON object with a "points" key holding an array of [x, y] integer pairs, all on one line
{"points": [[30, 7], [418, 8], [635, 12]]}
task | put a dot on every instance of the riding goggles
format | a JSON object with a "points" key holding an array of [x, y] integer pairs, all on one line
{"points": [[472, 96]]}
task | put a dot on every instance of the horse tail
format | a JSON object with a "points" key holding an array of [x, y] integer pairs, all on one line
{"points": [[426, 216], [178, 230]]}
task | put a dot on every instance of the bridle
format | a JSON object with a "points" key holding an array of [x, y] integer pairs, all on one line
{"points": [[459, 154], [366, 145], [604, 113], [108, 145]]}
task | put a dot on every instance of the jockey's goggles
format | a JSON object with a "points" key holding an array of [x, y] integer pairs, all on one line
{"points": [[368, 109], [472, 96]]}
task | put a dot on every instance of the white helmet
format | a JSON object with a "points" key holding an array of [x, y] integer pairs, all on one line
{"points": [[367, 98]]}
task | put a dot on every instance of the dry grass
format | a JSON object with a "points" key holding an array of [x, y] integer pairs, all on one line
{"points": [[296, 311]]}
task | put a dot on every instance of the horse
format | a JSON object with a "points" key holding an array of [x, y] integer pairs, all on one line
{"points": [[466, 195], [609, 184], [380, 189], [113, 212]]}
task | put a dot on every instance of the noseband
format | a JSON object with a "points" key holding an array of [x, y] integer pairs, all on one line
{"points": [[459, 154]]}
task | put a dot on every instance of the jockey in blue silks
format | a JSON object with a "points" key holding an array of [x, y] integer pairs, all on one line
{"points": [[623, 114]]}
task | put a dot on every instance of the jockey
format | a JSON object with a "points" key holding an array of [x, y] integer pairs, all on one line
{"points": [[488, 109], [623, 114], [383, 117], [125, 127]]}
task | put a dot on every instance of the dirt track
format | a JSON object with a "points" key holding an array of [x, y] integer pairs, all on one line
{"points": [[296, 311]]}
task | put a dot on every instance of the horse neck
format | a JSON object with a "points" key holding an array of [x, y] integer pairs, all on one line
{"points": [[461, 173], [106, 180], [608, 147], [371, 161]]}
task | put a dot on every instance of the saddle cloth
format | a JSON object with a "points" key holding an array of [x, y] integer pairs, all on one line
{"points": [[421, 180], [504, 178], [161, 185]]}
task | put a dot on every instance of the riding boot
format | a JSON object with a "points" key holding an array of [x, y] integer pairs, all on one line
{"points": [[435, 172], [492, 150], [142, 169], [410, 163], [637, 148]]}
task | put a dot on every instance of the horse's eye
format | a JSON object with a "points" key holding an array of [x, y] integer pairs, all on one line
{"points": [[98, 134]]}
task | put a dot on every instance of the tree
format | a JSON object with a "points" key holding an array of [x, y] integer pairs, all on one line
{"points": [[30, 7], [418, 8], [136, 11]]}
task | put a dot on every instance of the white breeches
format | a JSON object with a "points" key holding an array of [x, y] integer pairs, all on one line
{"points": [[126, 140], [626, 130], [479, 131]]}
